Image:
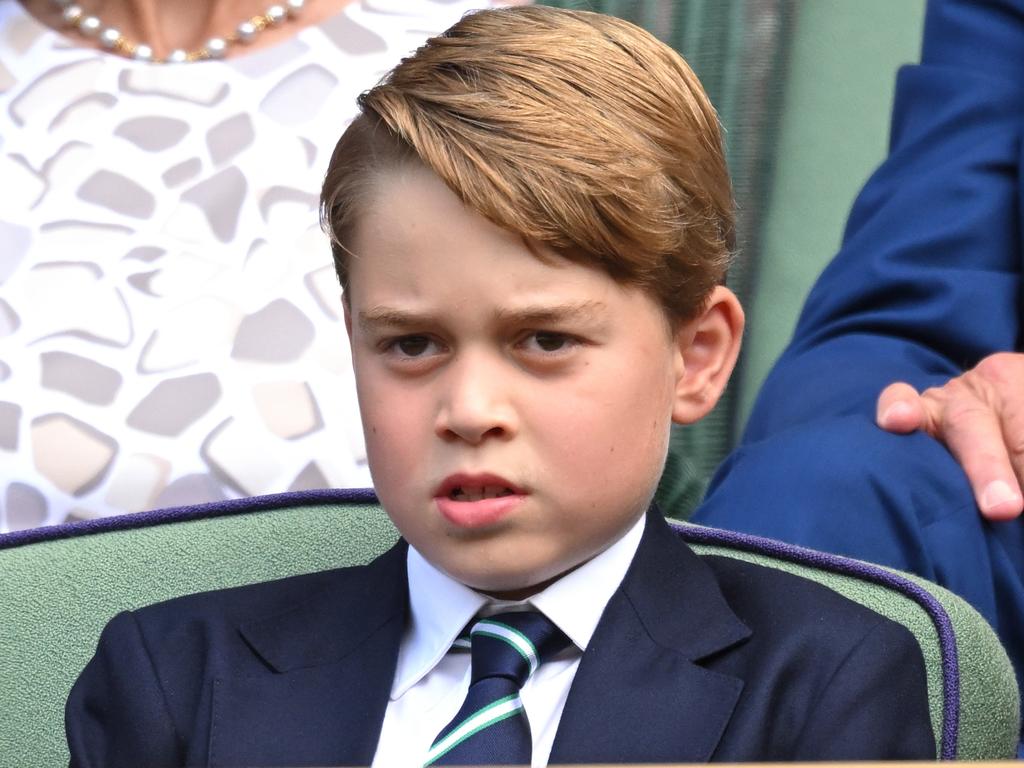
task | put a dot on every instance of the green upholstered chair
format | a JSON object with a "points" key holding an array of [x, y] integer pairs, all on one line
{"points": [[61, 584]]}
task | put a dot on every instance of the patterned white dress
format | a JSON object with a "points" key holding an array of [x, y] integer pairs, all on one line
{"points": [[169, 316]]}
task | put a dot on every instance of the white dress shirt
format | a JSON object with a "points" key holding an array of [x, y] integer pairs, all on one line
{"points": [[430, 683]]}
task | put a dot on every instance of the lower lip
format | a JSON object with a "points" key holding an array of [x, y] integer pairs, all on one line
{"points": [[477, 514]]}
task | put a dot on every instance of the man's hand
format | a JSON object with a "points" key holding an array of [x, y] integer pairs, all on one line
{"points": [[980, 418]]}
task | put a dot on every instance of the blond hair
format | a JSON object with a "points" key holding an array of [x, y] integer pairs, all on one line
{"points": [[574, 129]]}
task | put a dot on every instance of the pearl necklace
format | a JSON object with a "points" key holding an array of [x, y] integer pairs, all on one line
{"points": [[215, 48]]}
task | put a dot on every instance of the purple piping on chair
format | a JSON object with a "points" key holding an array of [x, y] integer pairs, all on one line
{"points": [[689, 533], [184, 514], [841, 565]]}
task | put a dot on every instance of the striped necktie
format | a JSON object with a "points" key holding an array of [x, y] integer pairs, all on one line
{"points": [[491, 727]]}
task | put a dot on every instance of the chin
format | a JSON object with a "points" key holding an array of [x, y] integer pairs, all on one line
{"points": [[494, 583], [510, 584]]}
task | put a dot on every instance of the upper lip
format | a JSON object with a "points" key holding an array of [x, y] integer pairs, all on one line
{"points": [[477, 480]]}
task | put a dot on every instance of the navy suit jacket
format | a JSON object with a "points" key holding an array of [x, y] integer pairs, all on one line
{"points": [[694, 659], [927, 283]]}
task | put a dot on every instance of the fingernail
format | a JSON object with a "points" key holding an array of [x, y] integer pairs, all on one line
{"points": [[997, 493], [897, 409]]}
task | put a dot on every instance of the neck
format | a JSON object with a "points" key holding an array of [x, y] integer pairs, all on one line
{"points": [[169, 24]]}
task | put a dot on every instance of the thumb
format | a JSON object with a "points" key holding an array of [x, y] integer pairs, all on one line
{"points": [[900, 409]]}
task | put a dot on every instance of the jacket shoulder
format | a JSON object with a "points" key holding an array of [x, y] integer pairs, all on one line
{"points": [[819, 656], [752, 589], [235, 605]]}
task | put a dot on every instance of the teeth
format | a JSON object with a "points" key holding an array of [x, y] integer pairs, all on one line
{"points": [[479, 494]]}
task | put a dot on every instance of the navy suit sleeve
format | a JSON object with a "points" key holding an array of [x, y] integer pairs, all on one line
{"points": [[927, 282], [873, 706], [117, 713], [928, 279]]}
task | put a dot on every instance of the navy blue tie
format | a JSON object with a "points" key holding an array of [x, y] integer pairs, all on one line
{"points": [[491, 727]]}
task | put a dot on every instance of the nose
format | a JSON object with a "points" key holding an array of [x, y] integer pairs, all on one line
{"points": [[476, 401]]}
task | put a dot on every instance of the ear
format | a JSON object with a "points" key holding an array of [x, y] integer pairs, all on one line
{"points": [[707, 349]]}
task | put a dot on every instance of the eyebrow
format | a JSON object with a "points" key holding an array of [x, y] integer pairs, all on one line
{"points": [[386, 317], [382, 317], [587, 310]]}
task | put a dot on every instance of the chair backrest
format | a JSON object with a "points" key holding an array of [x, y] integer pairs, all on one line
{"points": [[972, 690], [60, 585]]}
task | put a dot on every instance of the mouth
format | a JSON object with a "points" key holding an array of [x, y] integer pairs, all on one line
{"points": [[470, 493], [477, 501], [478, 487]]}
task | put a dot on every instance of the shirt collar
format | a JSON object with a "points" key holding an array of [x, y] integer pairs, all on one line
{"points": [[598, 578], [440, 607]]}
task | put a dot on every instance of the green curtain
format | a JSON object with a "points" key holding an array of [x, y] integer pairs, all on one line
{"points": [[737, 48]]}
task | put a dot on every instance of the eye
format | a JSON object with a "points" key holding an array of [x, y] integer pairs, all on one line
{"points": [[549, 342], [411, 346]]}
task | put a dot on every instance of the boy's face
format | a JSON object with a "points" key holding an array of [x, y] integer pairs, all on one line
{"points": [[516, 412]]}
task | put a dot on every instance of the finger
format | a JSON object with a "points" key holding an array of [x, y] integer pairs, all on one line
{"points": [[975, 437], [1013, 439], [1001, 500], [998, 379], [900, 409]]}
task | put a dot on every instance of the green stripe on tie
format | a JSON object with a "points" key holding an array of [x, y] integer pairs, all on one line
{"points": [[512, 636], [485, 717]]}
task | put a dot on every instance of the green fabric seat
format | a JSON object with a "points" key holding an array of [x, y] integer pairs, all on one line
{"points": [[61, 584]]}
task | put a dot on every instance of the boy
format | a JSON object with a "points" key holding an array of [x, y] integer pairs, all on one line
{"points": [[531, 220]]}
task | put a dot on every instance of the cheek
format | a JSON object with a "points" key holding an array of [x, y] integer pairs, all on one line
{"points": [[642, 422], [390, 418], [611, 434]]}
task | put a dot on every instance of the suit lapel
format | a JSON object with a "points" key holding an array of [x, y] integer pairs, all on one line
{"points": [[332, 660], [640, 695]]}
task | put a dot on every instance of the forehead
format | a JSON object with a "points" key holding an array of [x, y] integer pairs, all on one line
{"points": [[416, 240], [417, 248]]}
